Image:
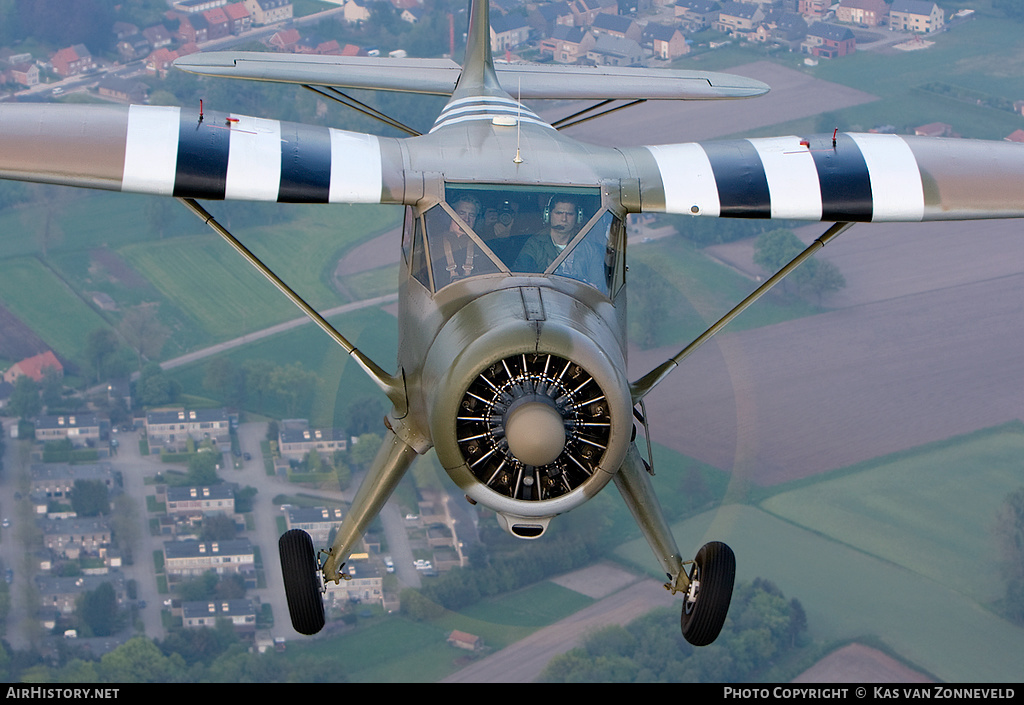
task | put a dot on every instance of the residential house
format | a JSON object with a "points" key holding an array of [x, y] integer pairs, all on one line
{"points": [[616, 26], [738, 17], [194, 28], [34, 367], [615, 51], [265, 12], [787, 28], [218, 25], [366, 584], [68, 539], [24, 73], [295, 440], [1015, 136], [193, 501], [62, 594], [508, 32], [665, 41], [159, 62], [241, 614], [829, 41], [356, 11], [173, 429], [72, 60], [868, 13], [285, 39], [197, 6], [813, 9], [124, 90], [187, 559], [916, 16], [56, 480], [567, 45], [239, 19], [81, 429], [133, 47], [545, 18], [315, 521], [584, 11], [158, 36], [695, 15]]}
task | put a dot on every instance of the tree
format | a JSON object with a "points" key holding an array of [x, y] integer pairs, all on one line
{"points": [[202, 468], [100, 347], [141, 329], [820, 277], [223, 377], [90, 498], [97, 609], [155, 387], [24, 402], [139, 660], [1010, 536]]}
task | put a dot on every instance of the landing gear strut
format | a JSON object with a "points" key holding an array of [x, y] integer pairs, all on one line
{"points": [[709, 593]]}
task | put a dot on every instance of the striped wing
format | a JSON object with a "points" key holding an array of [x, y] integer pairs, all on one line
{"points": [[856, 178], [171, 151]]}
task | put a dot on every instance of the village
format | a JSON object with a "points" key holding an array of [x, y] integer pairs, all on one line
{"points": [[590, 32], [196, 472]]}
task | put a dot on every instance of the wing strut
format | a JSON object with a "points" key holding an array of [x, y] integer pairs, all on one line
{"points": [[393, 387], [359, 106], [570, 120], [645, 384]]}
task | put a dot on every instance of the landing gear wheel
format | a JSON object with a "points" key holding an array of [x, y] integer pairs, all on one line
{"points": [[301, 581], [707, 601]]}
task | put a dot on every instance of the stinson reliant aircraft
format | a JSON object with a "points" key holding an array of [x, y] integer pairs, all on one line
{"points": [[512, 322]]}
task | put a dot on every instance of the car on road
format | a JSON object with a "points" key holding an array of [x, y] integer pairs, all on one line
{"points": [[6, 522]]}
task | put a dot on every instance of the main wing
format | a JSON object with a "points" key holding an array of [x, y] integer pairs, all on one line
{"points": [[439, 76], [187, 153], [846, 177]]}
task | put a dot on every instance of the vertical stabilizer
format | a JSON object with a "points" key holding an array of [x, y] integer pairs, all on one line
{"points": [[478, 77]]}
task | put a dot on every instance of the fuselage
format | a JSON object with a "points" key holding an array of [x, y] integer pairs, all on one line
{"points": [[514, 364]]}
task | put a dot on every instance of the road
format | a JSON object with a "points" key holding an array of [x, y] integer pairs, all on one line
{"points": [[525, 660]]}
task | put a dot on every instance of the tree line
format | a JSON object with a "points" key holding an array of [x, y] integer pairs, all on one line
{"points": [[762, 628]]}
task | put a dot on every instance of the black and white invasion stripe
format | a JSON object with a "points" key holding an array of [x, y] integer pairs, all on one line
{"points": [[169, 151], [864, 177], [484, 108]]}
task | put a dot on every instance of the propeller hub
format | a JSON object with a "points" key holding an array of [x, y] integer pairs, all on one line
{"points": [[535, 432]]}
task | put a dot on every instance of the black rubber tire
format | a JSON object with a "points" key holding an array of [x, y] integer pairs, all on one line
{"points": [[301, 581], [715, 569]]}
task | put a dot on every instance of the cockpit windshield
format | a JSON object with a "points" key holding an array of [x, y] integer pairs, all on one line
{"points": [[490, 229]]}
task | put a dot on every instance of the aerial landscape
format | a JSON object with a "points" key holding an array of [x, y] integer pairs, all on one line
{"points": [[855, 436]]}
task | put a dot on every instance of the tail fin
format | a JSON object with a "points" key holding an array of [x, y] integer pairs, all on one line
{"points": [[478, 77]]}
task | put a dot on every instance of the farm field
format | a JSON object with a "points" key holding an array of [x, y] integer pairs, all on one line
{"points": [[38, 297], [393, 649], [873, 552]]}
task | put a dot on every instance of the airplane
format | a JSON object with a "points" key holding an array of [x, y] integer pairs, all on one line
{"points": [[511, 360]]}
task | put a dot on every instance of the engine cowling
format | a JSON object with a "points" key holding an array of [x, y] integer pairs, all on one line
{"points": [[529, 416]]}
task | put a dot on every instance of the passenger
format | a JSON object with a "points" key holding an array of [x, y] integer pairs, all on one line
{"points": [[454, 253]]}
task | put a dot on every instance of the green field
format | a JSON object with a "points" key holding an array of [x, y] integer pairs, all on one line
{"points": [[38, 297], [393, 649], [900, 550]]}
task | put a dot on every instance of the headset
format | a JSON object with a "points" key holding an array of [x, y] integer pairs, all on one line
{"points": [[559, 198]]}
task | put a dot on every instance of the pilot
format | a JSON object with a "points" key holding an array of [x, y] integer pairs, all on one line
{"points": [[458, 255], [562, 217]]}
